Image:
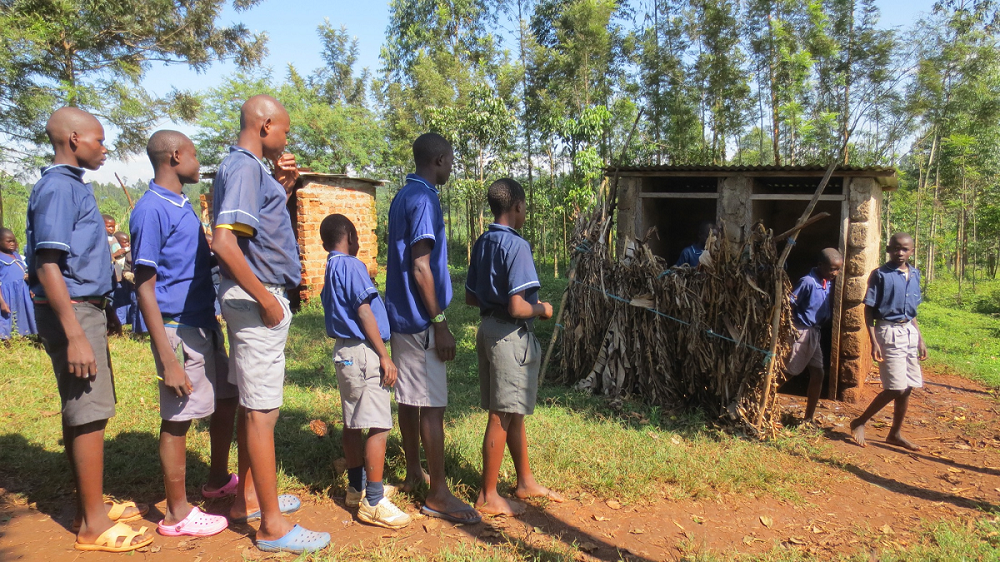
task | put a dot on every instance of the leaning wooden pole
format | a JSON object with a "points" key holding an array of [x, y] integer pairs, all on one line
{"points": [[125, 189], [779, 291]]}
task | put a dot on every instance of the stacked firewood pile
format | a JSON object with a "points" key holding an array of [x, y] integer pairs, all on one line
{"points": [[680, 338]]}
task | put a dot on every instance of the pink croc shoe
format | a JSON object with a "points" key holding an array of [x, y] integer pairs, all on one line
{"points": [[229, 489], [196, 524]]}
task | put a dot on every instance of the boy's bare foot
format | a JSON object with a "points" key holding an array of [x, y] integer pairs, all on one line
{"points": [[412, 484], [900, 441], [537, 491], [858, 432], [499, 505], [452, 506]]}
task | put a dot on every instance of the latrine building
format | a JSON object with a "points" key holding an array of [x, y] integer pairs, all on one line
{"points": [[675, 199], [317, 196]]}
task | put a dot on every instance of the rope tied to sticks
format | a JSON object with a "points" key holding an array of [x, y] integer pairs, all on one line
{"points": [[711, 333]]}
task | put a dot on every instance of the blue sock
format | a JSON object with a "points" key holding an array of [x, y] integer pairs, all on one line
{"points": [[356, 477], [374, 492]]}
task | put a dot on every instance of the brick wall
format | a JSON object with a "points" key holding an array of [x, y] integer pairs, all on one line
{"points": [[318, 197]]}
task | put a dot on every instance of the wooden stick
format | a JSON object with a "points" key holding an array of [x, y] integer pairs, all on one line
{"points": [[555, 329], [125, 189], [815, 218]]}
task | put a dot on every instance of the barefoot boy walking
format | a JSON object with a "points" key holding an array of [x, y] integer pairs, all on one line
{"points": [[503, 283], [69, 267], [176, 297], [891, 316]]}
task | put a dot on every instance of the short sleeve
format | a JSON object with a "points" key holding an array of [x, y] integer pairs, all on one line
{"points": [[54, 217], [241, 195], [421, 215], [802, 291], [359, 285], [147, 238], [874, 286], [521, 269]]}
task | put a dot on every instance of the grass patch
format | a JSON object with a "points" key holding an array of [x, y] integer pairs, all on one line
{"points": [[967, 342]]}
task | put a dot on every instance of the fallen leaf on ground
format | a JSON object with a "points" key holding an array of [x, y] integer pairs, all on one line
{"points": [[886, 529], [588, 547], [796, 540], [613, 504], [599, 518], [697, 519], [637, 531], [318, 427], [766, 521], [340, 466]]}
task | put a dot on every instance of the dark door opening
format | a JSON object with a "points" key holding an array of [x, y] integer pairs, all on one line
{"points": [[676, 222]]}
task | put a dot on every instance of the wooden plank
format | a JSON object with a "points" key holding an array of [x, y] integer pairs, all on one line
{"points": [[793, 197], [838, 300], [664, 195]]}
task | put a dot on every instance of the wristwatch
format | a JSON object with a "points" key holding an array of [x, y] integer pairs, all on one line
{"points": [[438, 319]]}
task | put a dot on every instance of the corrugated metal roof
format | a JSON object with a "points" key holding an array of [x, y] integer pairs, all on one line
{"points": [[729, 169]]}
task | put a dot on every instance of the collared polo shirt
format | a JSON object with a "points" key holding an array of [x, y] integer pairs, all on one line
{"points": [[894, 295], [414, 215], [63, 216], [811, 300], [690, 256], [167, 236], [347, 286], [245, 193], [501, 266]]}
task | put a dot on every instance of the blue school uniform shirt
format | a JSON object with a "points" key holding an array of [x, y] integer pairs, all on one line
{"points": [[501, 266], [346, 287], [690, 256], [414, 215], [811, 300], [63, 215], [892, 294], [167, 236], [246, 193]]}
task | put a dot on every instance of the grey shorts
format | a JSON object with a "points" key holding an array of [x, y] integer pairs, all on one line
{"points": [[206, 365], [509, 360], [365, 402], [422, 377], [900, 366], [806, 351], [256, 352], [83, 401]]}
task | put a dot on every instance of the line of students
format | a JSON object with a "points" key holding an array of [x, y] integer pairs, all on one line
{"points": [[70, 272]]}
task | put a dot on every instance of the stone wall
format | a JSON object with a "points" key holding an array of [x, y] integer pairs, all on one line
{"points": [[318, 198], [864, 254], [735, 209]]}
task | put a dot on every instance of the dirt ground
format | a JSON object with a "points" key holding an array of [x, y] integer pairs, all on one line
{"points": [[878, 498]]}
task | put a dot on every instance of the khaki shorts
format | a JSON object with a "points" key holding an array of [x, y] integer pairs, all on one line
{"points": [[422, 377], [207, 367], [900, 366], [365, 402], [257, 353], [509, 359], [83, 401], [806, 351]]}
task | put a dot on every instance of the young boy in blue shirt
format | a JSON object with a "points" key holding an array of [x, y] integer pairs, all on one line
{"points": [[70, 271], [356, 317], [897, 345], [417, 290], [810, 311], [259, 257], [173, 280], [692, 254], [503, 283]]}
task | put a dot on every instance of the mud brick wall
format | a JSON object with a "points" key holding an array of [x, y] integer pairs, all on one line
{"points": [[319, 197], [864, 254]]}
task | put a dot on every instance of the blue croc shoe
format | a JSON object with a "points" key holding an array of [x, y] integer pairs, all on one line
{"points": [[297, 541], [287, 503]]}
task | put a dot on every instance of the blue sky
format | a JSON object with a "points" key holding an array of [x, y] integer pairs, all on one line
{"points": [[292, 39]]}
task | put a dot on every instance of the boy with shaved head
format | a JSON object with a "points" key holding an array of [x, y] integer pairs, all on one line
{"points": [[897, 345], [417, 290], [259, 257], [810, 311], [70, 272], [173, 279]]}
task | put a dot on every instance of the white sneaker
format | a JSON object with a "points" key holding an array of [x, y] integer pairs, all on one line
{"points": [[384, 514], [353, 497]]}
